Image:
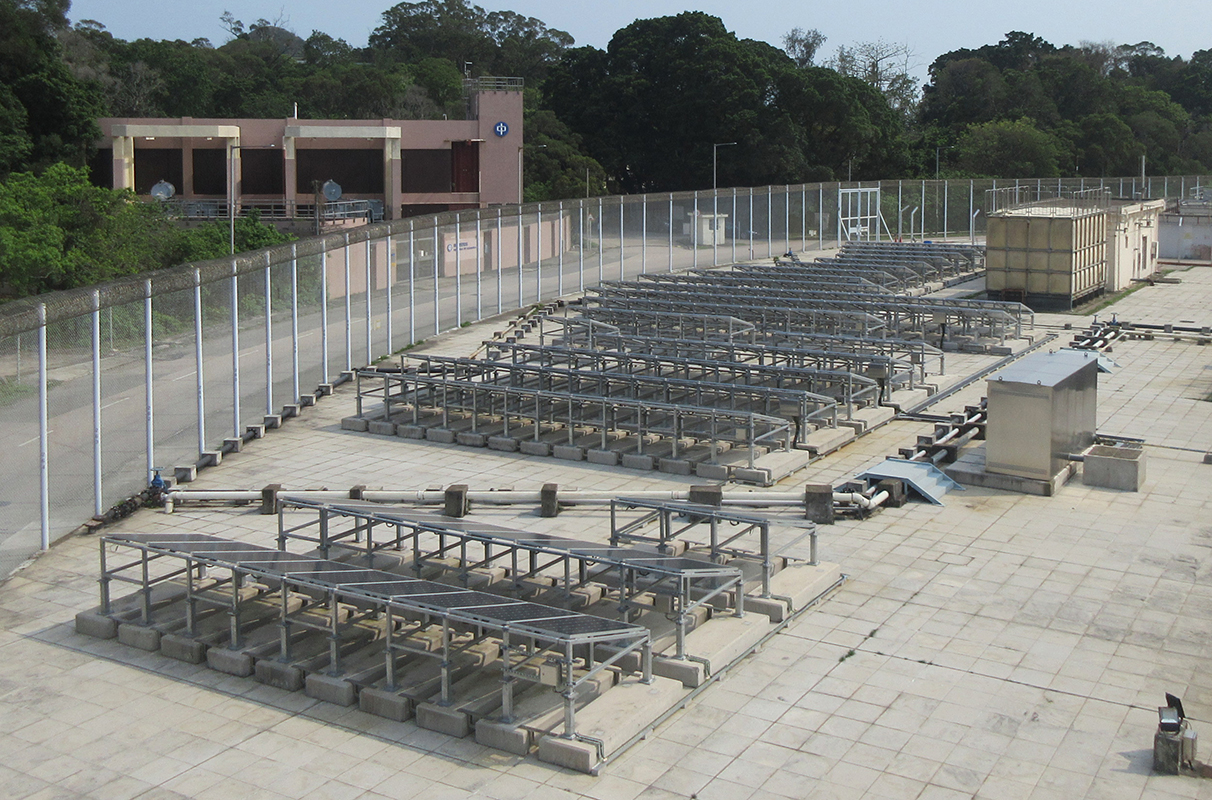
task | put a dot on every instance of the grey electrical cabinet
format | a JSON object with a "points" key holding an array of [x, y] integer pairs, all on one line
{"points": [[1040, 410]]}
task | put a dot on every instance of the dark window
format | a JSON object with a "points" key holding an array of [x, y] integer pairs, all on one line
{"points": [[210, 172], [263, 171], [426, 170], [101, 168], [357, 171], [155, 165]]}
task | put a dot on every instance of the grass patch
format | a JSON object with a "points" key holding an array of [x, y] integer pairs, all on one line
{"points": [[11, 391]]}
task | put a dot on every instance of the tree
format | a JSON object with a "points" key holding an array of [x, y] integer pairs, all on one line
{"points": [[883, 65], [46, 113], [1005, 149], [802, 45], [651, 107], [58, 231], [500, 42]]}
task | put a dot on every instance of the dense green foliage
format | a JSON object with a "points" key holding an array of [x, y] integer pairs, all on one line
{"points": [[1027, 108], [58, 231], [649, 110]]}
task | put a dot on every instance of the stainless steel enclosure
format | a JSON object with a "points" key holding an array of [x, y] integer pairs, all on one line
{"points": [[1040, 410]]}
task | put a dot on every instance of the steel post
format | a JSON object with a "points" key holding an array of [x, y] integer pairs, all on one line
{"points": [[198, 361], [148, 393], [43, 432], [235, 351], [269, 340], [96, 364], [294, 324]]}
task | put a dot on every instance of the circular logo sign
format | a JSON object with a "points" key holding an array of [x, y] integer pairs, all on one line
{"points": [[500, 129]]}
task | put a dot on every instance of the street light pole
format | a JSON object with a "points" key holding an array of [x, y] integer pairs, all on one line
{"points": [[715, 149], [715, 200]]}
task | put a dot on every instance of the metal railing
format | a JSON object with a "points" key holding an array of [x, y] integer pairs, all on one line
{"points": [[100, 386]]}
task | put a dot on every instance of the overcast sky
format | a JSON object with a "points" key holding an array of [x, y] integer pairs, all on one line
{"points": [[929, 27]]}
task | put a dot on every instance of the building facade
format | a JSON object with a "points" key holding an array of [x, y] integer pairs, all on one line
{"points": [[279, 166]]}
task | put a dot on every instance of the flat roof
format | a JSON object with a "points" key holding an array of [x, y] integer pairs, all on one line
{"points": [[1002, 645]]}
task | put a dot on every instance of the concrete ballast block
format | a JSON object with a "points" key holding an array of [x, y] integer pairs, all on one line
{"points": [[382, 427], [347, 424], [182, 648], [386, 704], [230, 662], [533, 448], [330, 689], [279, 675], [139, 637], [98, 626]]}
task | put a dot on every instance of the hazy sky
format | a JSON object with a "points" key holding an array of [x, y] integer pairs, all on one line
{"points": [[929, 27]]}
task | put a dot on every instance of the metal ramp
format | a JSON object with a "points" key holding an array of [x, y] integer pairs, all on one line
{"points": [[930, 483]]}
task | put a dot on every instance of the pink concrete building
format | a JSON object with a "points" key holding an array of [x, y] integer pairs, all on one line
{"points": [[409, 166]]}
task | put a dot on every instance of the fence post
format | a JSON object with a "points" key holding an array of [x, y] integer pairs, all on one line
{"points": [[235, 351], [787, 216], [498, 248], [96, 354], [769, 221], [643, 233], [412, 284], [694, 232], [538, 241], [198, 361], [560, 251], [581, 249], [671, 231], [148, 394], [437, 315], [324, 378], [348, 314], [733, 237], [43, 432], [294, 323], [622, 244], [370, 356], [479, 268], [458, 276], [388, 280], [269, 339], [520, 230]]}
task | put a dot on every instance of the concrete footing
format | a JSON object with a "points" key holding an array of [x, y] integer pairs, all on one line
{"points": [[96, 625], [533, 448], [443, 719], [635, 461], [281, 676], [504, 736], [230, 662], [139, 637], [330, 689], [506, 444], [183, 648], [386, 704]]}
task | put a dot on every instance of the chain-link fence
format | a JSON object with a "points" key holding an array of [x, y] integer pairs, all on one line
{"points": [[101, 386]]}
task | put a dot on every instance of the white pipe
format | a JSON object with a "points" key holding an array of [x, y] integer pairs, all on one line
{"points": [[509, 497]]}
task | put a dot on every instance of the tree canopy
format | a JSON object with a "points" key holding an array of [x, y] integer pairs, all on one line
{"points": [[652, 105]]}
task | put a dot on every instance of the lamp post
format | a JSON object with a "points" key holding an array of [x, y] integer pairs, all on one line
{"points": [[715, 200], [937, 152], [715, 149]]}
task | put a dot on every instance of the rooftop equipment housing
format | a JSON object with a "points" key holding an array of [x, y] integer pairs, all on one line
{"points": [[1041, 410]]}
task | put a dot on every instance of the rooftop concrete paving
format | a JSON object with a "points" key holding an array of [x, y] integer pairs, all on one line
{"points": [[1002, 646]]}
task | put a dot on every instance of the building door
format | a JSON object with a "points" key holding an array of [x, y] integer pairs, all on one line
{"points": [[465, 166]]}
